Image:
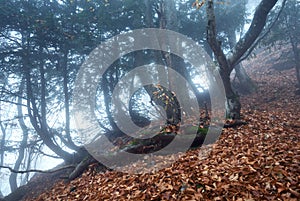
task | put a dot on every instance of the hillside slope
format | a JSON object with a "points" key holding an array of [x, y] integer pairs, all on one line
{"points": [[257, 161]]}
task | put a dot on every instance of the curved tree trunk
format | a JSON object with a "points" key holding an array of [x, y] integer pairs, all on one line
{"points": [[38, 121], [107, 102], [228, 63], [69, 142], [13, 176], [233, 105]]}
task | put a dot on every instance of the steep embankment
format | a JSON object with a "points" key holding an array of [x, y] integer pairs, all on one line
{"points": [[257, 161]]}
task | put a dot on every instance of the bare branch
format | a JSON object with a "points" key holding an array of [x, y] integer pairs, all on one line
{"points": [[14, 118], [257, 25], [12, 39], [39, 171], [249, 51], [48, 155], [12, 102]]}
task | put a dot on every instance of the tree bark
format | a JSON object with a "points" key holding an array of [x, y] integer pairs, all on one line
{"points": [[2, 143], [64, 65], [13, 176], [233, 105], [227, 63], [36, 120], [107, 102], [257, 25]]}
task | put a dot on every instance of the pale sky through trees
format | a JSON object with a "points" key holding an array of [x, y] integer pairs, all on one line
{"points": [[59, 40]]}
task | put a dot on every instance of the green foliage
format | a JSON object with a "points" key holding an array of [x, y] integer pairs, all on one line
{"points": [[287, 26]]}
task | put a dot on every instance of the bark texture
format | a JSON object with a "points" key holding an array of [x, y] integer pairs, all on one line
{"points": [[228, 62]]}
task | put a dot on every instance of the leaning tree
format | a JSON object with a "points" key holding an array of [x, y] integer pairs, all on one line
{"points": [[227, 62]]}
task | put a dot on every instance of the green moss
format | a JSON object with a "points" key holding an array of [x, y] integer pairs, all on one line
{"points": [[134, 142], [203, 131], [195, 129]]}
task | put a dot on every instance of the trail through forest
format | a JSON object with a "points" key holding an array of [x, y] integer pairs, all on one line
{"points": [[257, 161]]}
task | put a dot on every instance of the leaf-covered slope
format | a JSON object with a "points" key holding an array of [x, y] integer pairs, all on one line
{"points": [[257, 161]]}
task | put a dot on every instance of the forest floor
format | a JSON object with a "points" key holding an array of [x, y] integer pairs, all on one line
{"points": [[257, 161]]}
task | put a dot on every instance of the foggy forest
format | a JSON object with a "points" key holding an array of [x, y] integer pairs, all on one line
{"points": [[149, 100]]}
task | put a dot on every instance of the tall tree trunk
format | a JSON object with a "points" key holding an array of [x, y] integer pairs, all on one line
{"points": [[13, 176], [172, 61], [107, 103], [148, 13], [2, 143], [233, 105], [64, 65], [228, 63], [2, 127], [39, 122]]}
